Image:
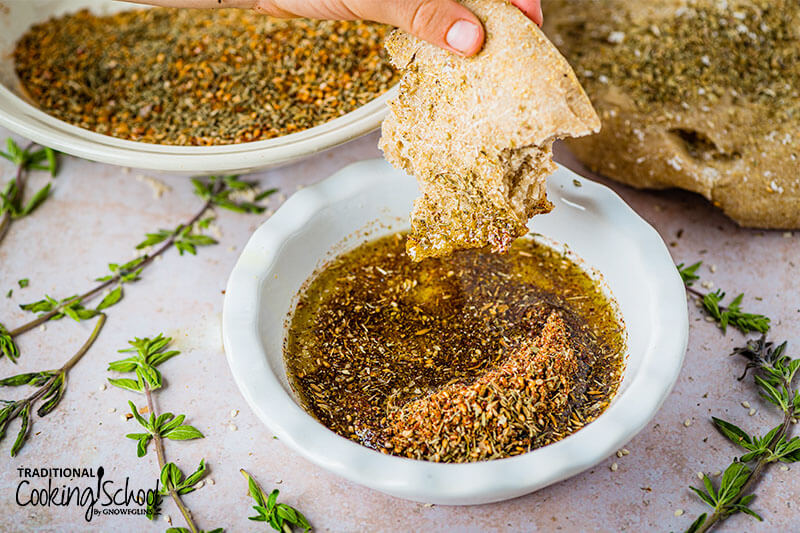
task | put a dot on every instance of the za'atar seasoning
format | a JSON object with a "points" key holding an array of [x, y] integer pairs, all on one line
{"points": [[200, 77], [470, 357]]}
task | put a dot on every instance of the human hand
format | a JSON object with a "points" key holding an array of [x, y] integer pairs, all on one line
{"points": [[445, 23]]}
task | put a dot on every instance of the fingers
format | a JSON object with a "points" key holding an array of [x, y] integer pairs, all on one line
{"points": [[445, 23], [531, 8]]}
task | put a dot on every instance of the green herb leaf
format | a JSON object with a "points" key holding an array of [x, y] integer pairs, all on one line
{"points": [[689, 273], [52, 163], [733, 315], [183, 433], [110, 299], [697, 524], [33, 379], [276, 514], [23, 430], [152, 239], [8, 347], [735, 434], [52, 396], [37, 200], [127, 384], [23, 283]]}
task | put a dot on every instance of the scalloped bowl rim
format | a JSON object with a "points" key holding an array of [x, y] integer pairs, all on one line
{"points": [[463, 483]]}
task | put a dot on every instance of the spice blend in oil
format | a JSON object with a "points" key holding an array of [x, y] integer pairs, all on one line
{"points": [[471, 357], [200, 77]]}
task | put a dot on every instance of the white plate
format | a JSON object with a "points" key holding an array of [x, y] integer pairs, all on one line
{"points": [[25, 119], [321, 221]]}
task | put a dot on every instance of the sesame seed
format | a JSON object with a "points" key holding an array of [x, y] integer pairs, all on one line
{"points": [[124, 418], [199, 484], [784, 468], [709, 319], [112, 409], [102, 386], [713, 268], [752, 411], [700, 475], [717, 472], [707, 284], [625, 451], [678, 512], [616, 37], [787, 235], [43, 327], [211, 482], [687, 422], [746, 405], [234, 412], [614, 467], [619, 453], [232, 427]]}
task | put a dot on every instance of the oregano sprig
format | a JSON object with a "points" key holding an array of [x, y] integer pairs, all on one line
{"points": [[280, 516], [12, 202], [774, 373], [725, 315], [149, 353]]}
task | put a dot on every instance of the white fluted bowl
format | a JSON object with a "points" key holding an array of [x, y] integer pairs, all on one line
{"points": [[370, 199]]}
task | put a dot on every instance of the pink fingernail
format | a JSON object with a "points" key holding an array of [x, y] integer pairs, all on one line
{"points": [[463, 36]]}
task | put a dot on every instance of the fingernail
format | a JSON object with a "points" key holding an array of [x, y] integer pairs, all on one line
{"points": [[541, 15], [463, 36]]}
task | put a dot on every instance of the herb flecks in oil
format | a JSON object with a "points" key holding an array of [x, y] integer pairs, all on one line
{"points": [[377, 340]]}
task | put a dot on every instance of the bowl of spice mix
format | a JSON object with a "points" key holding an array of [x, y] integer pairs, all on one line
{"points": [[458, 380], [187, 90]]}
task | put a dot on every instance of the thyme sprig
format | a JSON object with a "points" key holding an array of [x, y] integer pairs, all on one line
{"points": [[725, 315], [12, 202], [50, 386], [149, 354], [774, 374], [280, 516], [185, 238]]}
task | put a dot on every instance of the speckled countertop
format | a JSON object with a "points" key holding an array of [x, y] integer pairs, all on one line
{"points": [[99, 212]]}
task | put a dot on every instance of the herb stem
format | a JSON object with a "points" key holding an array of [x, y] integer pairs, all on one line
{"points": [[101, 321], [5, 223], [752, 479], [88, 295], [159, 444], [19, 178]]}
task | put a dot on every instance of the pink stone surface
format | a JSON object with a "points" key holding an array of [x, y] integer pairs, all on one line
{"points": [[97, 214]]}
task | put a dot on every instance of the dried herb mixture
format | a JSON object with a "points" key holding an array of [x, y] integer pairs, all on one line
{"points": [[200, 77], [470, 357]]}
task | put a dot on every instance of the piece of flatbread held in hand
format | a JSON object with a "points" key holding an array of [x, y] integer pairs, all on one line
{"points": [[477, 132]]}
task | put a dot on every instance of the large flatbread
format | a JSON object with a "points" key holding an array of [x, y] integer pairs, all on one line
{"points": [[477, 132], [698, 94]]}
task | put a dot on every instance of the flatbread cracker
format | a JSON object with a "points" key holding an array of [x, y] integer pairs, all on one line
{"points": [[477, 132]]}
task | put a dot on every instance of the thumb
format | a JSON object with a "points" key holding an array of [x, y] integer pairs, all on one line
{"points": [[445, 23]]}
